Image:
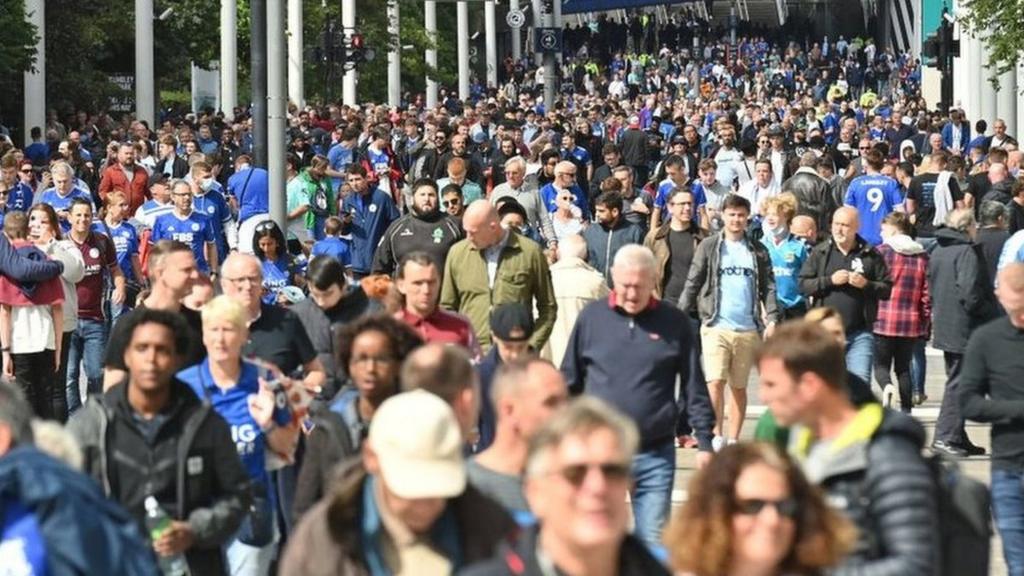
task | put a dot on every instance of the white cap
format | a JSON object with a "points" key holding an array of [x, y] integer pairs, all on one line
{"points": [[419, 445]]}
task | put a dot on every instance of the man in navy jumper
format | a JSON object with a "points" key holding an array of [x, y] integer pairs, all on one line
{"points": [[630, 350]]}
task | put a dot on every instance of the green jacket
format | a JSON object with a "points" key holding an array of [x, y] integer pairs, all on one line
{"points": [[522, 276], [310, 186]]}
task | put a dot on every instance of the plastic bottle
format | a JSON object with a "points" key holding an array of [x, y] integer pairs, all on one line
{"points": [[157, 522]]}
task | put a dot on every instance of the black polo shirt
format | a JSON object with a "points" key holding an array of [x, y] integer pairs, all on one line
{"points": [[278, 337]]}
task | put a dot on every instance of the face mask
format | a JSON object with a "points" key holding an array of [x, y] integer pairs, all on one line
{"points": [[776, 232]]}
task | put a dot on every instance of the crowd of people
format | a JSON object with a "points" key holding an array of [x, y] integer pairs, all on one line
{"points": [[483, 325]]}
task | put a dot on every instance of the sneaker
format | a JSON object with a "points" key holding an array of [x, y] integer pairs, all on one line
{"points": [[948, 449], [717, 443], [686, 441], [973, 450], [920, 398], [889, 396]]}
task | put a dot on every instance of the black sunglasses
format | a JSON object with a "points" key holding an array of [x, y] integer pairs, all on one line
{"points": [[452, 202], [753, 506], [575, 474]]}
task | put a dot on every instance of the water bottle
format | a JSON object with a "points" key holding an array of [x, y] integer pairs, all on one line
{"points": [[157, 522]]}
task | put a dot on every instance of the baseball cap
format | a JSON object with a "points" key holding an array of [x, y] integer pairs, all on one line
{"points": [[419, 445], [511, 322]]}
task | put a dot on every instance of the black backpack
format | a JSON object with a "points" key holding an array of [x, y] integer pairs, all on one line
{"points": [[965, 527]]}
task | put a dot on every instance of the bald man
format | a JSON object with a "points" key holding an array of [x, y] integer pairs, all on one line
{"points": [[992, 390], [275, 334], [446, 371], [565, 179], [805, 228], [849, 275], [492, 266]]}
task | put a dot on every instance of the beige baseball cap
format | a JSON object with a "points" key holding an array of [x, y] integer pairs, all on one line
{"points": [[419, 445]]}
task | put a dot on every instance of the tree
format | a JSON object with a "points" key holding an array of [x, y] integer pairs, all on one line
{"points": [[18, 50], [1000, 24]]}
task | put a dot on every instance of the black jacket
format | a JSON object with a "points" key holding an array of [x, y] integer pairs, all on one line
{"points": [[884, 486], [190, 466], [961, 291], [816, 284], [813, 197], [991, 241], [634, 148], [178, 170], [434, 234], [520, 559]]}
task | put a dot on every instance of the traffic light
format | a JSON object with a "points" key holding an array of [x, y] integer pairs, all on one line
{"points": [[356, 50]]}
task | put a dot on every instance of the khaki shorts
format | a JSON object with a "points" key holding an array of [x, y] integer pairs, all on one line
{"points": [[728, 355]]}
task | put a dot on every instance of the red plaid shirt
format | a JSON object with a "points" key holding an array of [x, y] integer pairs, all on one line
{"points": [[908, 311]]}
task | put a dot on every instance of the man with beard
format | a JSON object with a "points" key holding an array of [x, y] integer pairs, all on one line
{"points": [[459, 149], [126, 176], [425, 228]]}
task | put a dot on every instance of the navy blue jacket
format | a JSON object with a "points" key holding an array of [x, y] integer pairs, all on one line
{"points": [[633, 362], [84, 532], [21, 269]]}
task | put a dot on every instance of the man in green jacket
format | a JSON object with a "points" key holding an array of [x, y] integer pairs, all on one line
{"points": [[494, 266]]}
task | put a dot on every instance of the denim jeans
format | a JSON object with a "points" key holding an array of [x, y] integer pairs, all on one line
{"points": [[918, 365], [1008, 510], [860, 348], [87, 346], [653, 474]]}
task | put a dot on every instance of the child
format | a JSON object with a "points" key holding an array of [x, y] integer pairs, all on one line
{"points": [[334, 243], [29, 316]]}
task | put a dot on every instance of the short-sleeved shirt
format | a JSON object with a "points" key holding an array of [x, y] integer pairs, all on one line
{"points": [[126, 244], [151, 210], [297, 196], [60, 203], [874, 196], [213, 205], [120, 337], [278, 337], [233, 406], [100, 257], [922, 192], [338, 248], [736, 279], [194, 230]]}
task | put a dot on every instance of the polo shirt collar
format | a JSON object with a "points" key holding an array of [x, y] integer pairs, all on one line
{"points": [[613, 302]]}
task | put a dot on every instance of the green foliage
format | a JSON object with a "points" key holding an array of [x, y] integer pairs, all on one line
{"points": [[1000, 25], [17, 51]]}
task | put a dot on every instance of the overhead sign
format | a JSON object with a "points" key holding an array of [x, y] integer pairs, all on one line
{"points": [[547, 40]]}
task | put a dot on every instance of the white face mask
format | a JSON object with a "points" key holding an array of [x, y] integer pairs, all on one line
{"points": [[777, 232], [206, 184]]}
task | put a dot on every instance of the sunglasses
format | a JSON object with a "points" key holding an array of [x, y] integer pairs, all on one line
{"points": [[452, 202], [265, 226], [575, 474], [753, 506], [864, 148]]}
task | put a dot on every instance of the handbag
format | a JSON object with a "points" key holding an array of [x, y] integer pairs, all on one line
{"points": [[257, 527]]}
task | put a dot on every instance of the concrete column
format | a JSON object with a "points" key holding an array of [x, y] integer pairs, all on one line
{"points": [[1006, 101], [228, 57], [491, 44], [277, 110], [35, 82], [988, 93], [970, 88], [296, 80], [517, 36], [430, 23], [394, 55], [348, 23], [1020, 102], [462, 32], [145, 85]]}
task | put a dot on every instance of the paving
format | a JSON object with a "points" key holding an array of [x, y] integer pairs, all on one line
{"points": [[976, 467]]}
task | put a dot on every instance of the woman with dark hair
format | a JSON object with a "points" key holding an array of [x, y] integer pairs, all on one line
{"points": [[279, 269], [333, 301], [752, 511], [372, 350]]}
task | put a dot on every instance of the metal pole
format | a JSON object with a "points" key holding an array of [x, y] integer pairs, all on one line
{"points": [[348, 23], [258, 34], [550, 65], [145, 89], [430, 23], [491, 45], [517, 37], [228, 57], [35, 82], [277, 108], [462, 32], [394, 55], [296, 82]]}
